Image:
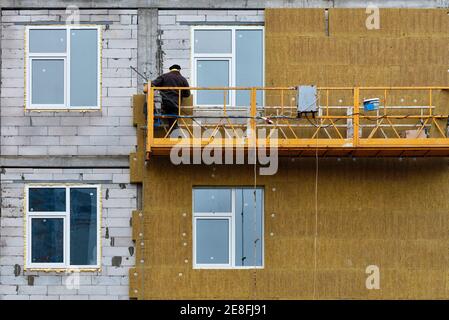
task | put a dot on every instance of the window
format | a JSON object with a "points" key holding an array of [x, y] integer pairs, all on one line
{"points": [[227, 227], [63, 67], [227, 57], [63, 226]]}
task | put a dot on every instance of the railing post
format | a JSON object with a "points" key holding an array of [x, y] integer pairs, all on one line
{"points": [[356, 117], [150, 118], [252, 137]]}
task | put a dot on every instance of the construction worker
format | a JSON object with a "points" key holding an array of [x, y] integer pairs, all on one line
{"points": [[170, 98]]}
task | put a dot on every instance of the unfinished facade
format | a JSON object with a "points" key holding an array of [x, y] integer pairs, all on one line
{"points": [[93, 206]]}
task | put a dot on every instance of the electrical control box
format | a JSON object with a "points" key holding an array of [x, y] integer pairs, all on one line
{"points": [[307, 99]]}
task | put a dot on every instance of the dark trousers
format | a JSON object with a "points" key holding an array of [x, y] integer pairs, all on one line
{"points": [[172, 109]]}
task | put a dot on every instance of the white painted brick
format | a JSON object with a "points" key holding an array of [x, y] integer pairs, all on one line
{"points": [[120, 111], [122, 44], [32, 150], [114, 271], [116, 72], [16, 297], [38, 176], [250, 18], [12, 73], [121, 92], [220, 18], [122, 231], [8, 289], [47, 280], [117, 290], [15, 140], [33, 12], [95, 11], [121, 150], [13, 281], [62, 131], [128, 140], [12, 112], [92, 150], [46, 141], [116, 53], [12, 102], [164, 20], [104, 121], [120, 178], [104, 140], [179, 34], [33, 131], [12, 92], [103, 297], [117, 34], [61, 290], [106, 17], [41, 297], [92, 131], [74, 140], [118, 82], [177, 12], [62, 150], [190, 18], [9, 131], [11, 231], [74, 297], [116, 101], [92, 290], [125, 19], [42, 290], [46, 121], [97, 176]]}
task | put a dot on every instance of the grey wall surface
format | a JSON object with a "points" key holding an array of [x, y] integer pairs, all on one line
{"points": [[108, 132], [224, 4], [118, 201]]}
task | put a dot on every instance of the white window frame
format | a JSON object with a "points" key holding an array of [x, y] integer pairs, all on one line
{"points": [[231, 216], [63, 56], [65, 215], [194, 57]]}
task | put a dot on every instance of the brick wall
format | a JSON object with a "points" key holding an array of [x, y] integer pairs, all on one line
{"points": [[118, 200], [106, 132], [175, 28]]}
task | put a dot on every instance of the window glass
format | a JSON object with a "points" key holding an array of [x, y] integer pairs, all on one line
{"points": [[212, 238], [248, 227], [83, 226], [47, 240], [83, 67], [212, 200], [47, 83], [46, 200], [213, 41], [48, 41], [212, 73], [249, 64]]}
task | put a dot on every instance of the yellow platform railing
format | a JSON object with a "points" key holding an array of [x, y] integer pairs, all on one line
{"points": [[409, 120]]}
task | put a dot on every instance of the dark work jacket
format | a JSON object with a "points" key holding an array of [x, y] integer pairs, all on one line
{"points": [[172, 79]]}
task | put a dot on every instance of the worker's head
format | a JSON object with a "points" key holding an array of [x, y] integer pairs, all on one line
{"points": [[175, 67]]}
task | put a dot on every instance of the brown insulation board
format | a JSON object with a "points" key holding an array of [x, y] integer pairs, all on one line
{"points": [[386, 212]]}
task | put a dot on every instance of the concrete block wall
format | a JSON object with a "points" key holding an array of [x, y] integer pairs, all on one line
{"points": [[96, 133], [175, 26], [118, 200]]}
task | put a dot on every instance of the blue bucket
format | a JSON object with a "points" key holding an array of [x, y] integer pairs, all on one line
{"points": [[371, 104]]}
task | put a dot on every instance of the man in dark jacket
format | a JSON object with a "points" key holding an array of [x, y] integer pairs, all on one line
{"points": [[171, 98]]}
